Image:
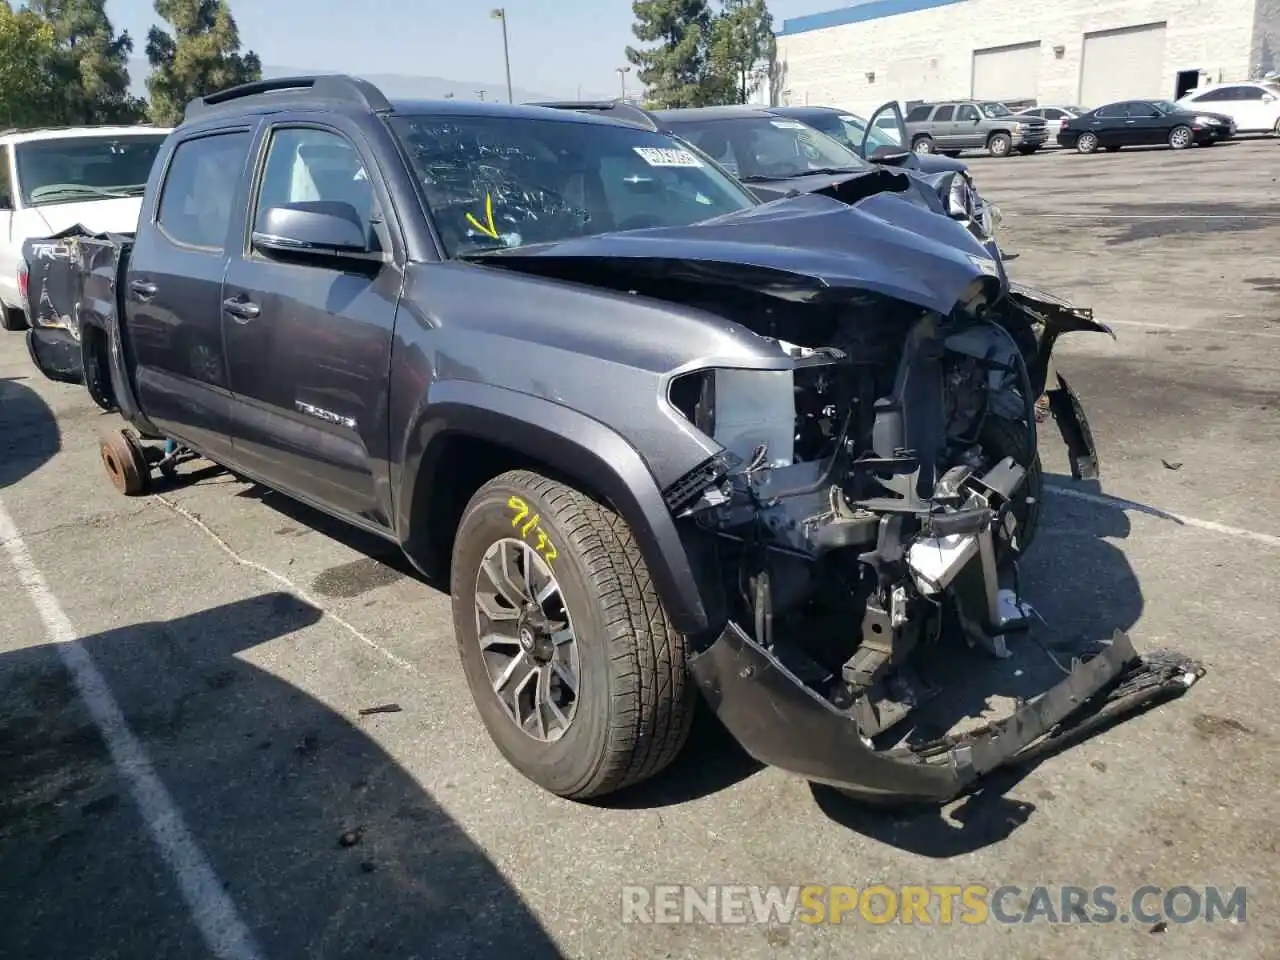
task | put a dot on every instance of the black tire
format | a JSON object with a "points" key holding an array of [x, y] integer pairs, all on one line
{"points": [[999, 145], [922, 145], [635, 700], [1087, 143], [1002, 438], [1181, 137], [125, 462], [12, 319], [95, 362]]}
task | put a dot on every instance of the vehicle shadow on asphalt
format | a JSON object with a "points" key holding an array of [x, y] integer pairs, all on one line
{"points": [[29, 434], [324, 843], [1084, 588]]}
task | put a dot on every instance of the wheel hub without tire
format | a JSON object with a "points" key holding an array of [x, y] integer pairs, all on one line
{"points": [[527, 641]]}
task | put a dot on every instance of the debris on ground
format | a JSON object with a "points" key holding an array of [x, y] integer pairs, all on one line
{"points": [[352, 837], [384, 708], [1174, 465]]}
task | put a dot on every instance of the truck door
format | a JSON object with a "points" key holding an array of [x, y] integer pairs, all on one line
{"points": [[308, 334], [173, 291]]}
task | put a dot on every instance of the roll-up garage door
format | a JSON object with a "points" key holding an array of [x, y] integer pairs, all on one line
{"points": [[1007, 73], [1124, 64]]}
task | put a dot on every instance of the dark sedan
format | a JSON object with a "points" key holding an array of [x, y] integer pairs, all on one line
{"points": [[1143, 123]]}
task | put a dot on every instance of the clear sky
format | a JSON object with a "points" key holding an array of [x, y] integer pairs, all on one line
{"points": [[556, 45]]}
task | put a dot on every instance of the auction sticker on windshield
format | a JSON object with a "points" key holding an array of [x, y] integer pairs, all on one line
{"points": [[788, 124], [667, 157]]}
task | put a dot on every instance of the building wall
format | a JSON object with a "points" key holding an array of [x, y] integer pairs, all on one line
{"points": [[1266, 37], [928, 53]]}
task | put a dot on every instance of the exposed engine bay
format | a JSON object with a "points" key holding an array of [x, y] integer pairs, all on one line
{"points": [[874, 493], [880, 495]]}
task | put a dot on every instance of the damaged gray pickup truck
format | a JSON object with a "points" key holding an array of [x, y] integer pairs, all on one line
{"points": [[665, 438]]}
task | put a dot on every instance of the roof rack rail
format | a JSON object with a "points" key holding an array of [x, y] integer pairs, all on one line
{"points": [[333, 86], [617, 109]]}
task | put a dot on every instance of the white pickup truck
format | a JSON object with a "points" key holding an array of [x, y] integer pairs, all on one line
{"points": [[52, 179]]}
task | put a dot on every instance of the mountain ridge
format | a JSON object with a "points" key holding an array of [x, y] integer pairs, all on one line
{"points": [[401, 85]]}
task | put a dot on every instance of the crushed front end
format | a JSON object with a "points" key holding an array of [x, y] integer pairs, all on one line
{"points": [[875, 475], [868, 509]]}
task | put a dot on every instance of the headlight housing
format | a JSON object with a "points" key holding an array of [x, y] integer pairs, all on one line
{"points": [[741, 409], [1205, 121]]}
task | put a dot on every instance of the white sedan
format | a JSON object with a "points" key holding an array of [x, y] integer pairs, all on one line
{"points": [[1053, 117], [1255, 107]]}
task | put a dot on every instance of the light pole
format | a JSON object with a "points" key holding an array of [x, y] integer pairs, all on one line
{"points": [[500, 13], [480, 94], [622, 79]]}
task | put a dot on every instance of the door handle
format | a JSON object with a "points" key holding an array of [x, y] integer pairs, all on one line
{"points": [[242, 310], [143, 289]]}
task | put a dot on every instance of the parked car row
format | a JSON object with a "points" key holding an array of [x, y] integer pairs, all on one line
{"points": [[1139, 123], [1201, 117], [666, 436]]}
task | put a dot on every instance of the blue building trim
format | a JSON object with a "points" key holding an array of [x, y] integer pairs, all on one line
{"points": [[868, 10]]}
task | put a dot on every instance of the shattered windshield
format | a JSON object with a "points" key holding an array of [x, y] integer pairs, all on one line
{"points": [[767, 147], [70, 169], [996, 110], [494, 182]]}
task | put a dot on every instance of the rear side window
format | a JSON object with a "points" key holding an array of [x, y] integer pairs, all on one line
{"points": [[200, 189], [944, 113], [918, 114]]}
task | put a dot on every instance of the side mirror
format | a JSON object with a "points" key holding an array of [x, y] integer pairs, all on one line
{"points": [[316, 228]]}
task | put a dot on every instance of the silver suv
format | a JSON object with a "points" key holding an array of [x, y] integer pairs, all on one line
{"points": [[952, 126]]}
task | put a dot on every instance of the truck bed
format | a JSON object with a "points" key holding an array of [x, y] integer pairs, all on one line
{"points": [[71, 286]]}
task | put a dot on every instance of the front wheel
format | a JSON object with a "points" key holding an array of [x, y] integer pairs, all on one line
{"points": [[922, 145], [575, 670], [1086, 143], [1002, 438], [1180, 137], [999, 145]]}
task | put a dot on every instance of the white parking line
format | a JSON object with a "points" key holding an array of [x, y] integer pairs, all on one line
{"points": [[1105, 500], [224, 933]]}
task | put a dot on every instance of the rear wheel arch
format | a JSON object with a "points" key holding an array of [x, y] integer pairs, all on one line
{"points": [[463, 442]]}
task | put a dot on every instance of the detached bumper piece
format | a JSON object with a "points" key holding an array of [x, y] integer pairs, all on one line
{"points": [[783, 723]]}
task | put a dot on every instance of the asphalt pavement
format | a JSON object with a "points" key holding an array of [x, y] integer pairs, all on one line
{"points": [[186, 771]]}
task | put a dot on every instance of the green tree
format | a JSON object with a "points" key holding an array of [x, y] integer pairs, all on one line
{"points": [[89, 63], [674, 69], [26, 84], [741, 52], [200, 55]]}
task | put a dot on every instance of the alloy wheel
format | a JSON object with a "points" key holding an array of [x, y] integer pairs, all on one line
{"points": [[1087, 143], [1180, 138], [527, 640]]}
